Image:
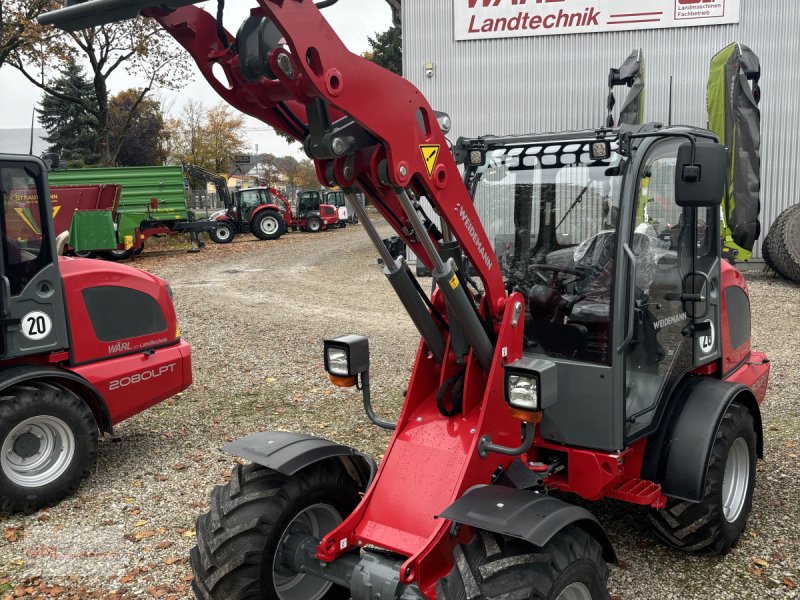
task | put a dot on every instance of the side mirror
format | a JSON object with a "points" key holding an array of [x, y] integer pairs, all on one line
{"points": [[700, 182]]}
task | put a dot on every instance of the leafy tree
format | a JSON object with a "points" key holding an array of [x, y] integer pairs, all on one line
{"points": [[71, 128], [207, 139], [16, 18], [138, 46], [223, 136], [135, 130], [387, 49]]}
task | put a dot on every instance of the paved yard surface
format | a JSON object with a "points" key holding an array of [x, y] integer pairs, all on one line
{"points": [[256, 313]]}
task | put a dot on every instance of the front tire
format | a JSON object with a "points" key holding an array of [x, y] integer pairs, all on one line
{"points": [[314, 225], [268, 225], [48, 444], [714, 525], [494, 567], [223, 233], [240, 536]]}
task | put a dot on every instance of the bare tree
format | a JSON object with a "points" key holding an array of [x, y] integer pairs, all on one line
{"points": [[140, 47]]}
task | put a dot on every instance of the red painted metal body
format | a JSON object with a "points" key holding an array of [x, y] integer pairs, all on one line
{"points": [[432, 459], [130, 375]]}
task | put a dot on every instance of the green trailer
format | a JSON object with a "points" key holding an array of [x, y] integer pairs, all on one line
{"points": [[152, 202]]}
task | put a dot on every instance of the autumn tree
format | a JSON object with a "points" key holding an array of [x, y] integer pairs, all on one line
{"points": [[16, 19], [138, 46], [136, 132], [71, 128], [386, 49], [206, 138]]}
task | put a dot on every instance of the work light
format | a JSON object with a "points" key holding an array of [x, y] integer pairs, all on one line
{"points": [[346, 358], [523, 391], [531, 384], [600, 150]]}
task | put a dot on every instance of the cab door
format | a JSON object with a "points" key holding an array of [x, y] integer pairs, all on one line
{"points": [[673, 301], [34, 319]]}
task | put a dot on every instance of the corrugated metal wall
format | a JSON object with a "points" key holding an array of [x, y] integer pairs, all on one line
{"points": [[556, 83]]}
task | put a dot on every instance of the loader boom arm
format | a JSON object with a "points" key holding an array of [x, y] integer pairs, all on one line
{"points": [[364, 126]]}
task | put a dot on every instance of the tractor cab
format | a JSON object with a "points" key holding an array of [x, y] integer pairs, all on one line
{"points": [[337, 198], [262, 211], [313, 214], [620, 273]]}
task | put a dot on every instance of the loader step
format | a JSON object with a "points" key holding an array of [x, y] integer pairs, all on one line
{"points": [[638, 491]]}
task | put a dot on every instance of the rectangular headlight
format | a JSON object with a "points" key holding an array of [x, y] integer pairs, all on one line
{"points": [[346, 356], [522, 391], [531, 384]]}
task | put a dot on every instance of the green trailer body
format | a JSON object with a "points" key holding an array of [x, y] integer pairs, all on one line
{"points": [[151, 196]]}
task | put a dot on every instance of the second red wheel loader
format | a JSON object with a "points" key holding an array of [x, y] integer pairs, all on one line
{"points": [[603, 356]]}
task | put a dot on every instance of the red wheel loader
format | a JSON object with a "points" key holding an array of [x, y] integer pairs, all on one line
{"points": [[600, 349], [70, 365]]}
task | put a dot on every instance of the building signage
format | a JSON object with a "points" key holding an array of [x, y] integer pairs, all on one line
{"points": [[483, 19]]}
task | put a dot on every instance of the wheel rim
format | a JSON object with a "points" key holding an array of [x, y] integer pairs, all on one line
{"points": [[314, 226], [223, 233], [269, 225], [736, 480], [37, 451], [317, 520], [575, 591]]}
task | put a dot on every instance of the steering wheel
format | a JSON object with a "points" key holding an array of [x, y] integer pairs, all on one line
{"points": [[556, 270]]}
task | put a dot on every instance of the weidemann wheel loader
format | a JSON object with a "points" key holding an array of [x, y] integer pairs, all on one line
{"points": [[602, 348]]}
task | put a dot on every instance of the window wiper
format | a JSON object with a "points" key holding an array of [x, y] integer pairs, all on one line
{"points": [[574, 204]]}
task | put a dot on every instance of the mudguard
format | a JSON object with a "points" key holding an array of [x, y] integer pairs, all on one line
{"points": [[288, 453], [76, 383], [677, 455], [526, 515]]}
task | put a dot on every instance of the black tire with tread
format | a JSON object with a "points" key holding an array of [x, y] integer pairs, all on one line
{"points": [[701, 527], [316, 220], [117, 255], [29, 399], [238, 537], [495, 567], [784, 250], [218, 240], [775, 233], [268, 214]]}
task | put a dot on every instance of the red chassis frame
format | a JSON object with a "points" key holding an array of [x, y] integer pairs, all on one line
{"points": [[431, 460]]}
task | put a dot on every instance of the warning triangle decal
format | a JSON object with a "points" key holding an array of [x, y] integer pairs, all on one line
{"points": [[430, 155]]}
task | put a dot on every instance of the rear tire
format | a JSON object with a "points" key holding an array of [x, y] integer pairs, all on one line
{"points": [[223, 233], [268, 225], [48, 444], [117, 255], [314, 225], [85, 254], [714, 525], [238, 539], [494, 567]]}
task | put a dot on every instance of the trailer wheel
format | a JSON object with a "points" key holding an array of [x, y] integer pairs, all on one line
{"points": [[117, 255], [48, 443], [139, 250], [85, 254], [240, 538], [314, 225], [268, 225], [714, 525], [495, 567], [223, 233]]}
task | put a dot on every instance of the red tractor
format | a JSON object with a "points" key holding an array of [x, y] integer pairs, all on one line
{"points": [[70, 365], [262, 211], [596, 351]]}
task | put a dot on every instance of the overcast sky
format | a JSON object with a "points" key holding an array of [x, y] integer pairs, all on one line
{"points": [[353, 20]]}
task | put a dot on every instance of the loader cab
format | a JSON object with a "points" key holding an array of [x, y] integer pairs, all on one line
{"points": [[247, 201], [32, 309], [621, 279]]}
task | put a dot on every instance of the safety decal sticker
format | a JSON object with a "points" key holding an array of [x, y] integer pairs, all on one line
{"points": [[36, 325], [430, 154], [454, 282]]}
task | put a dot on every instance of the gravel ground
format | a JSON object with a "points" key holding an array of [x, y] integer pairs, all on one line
{"points": [[256, 313]]}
